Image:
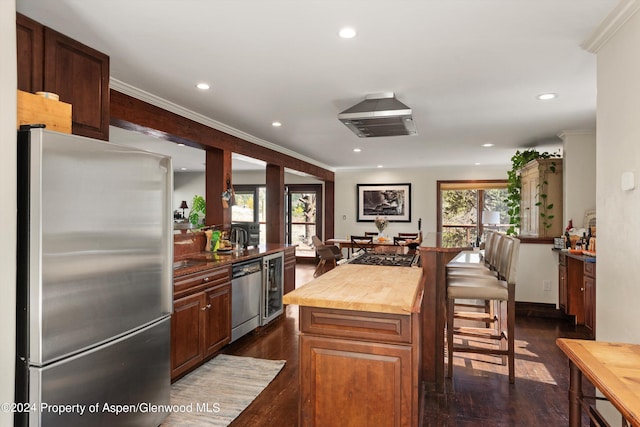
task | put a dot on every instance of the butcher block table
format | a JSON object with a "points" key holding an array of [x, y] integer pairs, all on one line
{"points": [[613, 368], [360, 336]]}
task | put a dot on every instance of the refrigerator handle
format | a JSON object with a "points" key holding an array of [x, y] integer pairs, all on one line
{"points": [[167, 274]]}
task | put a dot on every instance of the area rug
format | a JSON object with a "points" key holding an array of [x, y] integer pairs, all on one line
{"points": [[218, 391]]}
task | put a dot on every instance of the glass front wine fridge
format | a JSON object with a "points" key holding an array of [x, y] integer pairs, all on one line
{"points": [[272, 287]]}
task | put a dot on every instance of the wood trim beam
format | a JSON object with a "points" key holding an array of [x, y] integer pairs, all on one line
{"points": [[133, 114], [275, 204]]}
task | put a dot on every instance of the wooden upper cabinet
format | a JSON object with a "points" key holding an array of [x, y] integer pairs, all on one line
{"points": [[541, 198], [30, 54], [50, 61], [80, 75]]}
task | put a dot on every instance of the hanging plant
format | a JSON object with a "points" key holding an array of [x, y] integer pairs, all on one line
{"points": [[514, 185]]}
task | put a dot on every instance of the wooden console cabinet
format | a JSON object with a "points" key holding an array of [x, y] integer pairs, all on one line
{"points": [[52, 62], [577, 289], [201, 321]]}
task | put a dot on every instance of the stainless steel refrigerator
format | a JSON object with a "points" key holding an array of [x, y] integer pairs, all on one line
{"points": [[94, 283]]}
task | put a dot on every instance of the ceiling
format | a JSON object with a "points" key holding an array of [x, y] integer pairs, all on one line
{"points": [[469, 69]]}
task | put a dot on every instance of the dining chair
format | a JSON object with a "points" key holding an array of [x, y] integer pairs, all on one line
{"points": [[371, 233], [407, 236], [327, 254], [361, 243], [500, 290], [399, 241]]}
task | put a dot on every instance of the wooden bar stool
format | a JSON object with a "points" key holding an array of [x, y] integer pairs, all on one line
{"points": [[499, 290]]}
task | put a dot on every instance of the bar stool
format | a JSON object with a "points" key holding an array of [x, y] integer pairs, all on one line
{"points": [[498, 290]]}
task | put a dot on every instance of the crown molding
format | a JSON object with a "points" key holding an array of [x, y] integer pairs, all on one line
{"points": [[565, 133], [610, 25], [142, 95]]}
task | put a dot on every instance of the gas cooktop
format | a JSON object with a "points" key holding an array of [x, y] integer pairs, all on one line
{"points": [[395, 260]]}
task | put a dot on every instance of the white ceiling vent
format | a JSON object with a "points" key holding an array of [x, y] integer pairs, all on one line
{"points": [[379, 115]]}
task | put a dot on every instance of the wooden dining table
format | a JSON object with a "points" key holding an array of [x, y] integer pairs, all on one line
{"points": [[613, 368]]}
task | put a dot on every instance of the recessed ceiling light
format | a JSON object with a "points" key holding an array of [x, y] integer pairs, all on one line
{"points": [[546, 96], [180, 144], [202, 86], [276, 124], [183, 169], [477, 163], [357, 150], [380, 166], [347, 33], [488, 144]]}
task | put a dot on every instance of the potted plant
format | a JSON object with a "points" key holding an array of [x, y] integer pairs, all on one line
{"points": [[198, 211]]}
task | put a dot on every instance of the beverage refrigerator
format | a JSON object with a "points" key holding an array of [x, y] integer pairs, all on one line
{"points": [[94, 283], [272, 287]]}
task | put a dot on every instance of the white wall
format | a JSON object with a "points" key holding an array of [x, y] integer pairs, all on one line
{"points": [[579, 175], [618, 212], [185, 186], [537, 262], [8, 84], [423, 194]]}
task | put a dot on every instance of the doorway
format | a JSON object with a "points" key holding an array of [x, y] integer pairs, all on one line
{"points": [[303, 217]]}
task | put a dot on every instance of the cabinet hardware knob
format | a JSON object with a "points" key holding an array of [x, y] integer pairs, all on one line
{"points": [[204, 308], [582, 289], [206, 279]]}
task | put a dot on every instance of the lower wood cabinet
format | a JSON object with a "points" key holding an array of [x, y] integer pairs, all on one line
{"points": [[289, 269], [201, 321], [589, 281], [577, 289], [358, 368], [562, 283]]}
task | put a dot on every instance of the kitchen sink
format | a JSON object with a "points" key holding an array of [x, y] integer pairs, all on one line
{"points": [[187, 263]]}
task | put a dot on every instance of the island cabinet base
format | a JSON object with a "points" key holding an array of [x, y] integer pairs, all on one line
{"points": [[359, 368]]}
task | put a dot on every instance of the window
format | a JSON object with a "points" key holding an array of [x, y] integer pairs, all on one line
{"points": [[250, 206], [460, 210]]}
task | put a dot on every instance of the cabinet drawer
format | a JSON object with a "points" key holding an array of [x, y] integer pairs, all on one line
{"points": [[362, 325], [203, 279], [590, 269]]}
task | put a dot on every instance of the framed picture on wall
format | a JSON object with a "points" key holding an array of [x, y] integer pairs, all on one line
{"points": [[392, 201]]}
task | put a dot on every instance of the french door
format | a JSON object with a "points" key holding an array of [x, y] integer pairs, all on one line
{"points": [[303, 216]]}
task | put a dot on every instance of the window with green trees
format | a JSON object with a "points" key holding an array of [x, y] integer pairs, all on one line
{"points": [[460, 210]]}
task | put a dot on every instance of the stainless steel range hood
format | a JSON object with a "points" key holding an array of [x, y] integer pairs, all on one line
{"points": [[379, 115]]}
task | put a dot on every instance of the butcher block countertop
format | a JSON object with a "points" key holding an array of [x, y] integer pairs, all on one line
{"points": [[370, 288]]}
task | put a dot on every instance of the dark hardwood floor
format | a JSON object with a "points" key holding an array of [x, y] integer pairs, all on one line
{"points": [[478, 395]]}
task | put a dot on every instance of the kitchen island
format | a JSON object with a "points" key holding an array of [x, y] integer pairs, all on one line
{"points": [[360, 346]]}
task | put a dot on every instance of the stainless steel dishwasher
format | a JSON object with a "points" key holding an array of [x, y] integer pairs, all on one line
{"points": [[246, 288]]}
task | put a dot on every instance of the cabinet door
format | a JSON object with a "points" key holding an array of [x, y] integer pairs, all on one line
{"points": [[217, 318], [289, 270], [562, 287], [80, 75], [590, 303], [187, 333], [363, 382], [30, 57], [528, 208]]}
